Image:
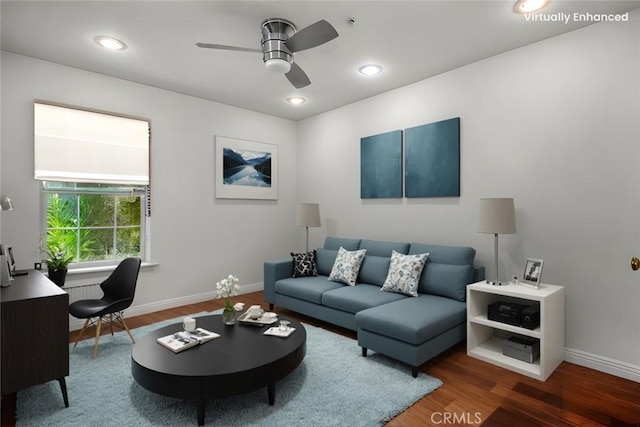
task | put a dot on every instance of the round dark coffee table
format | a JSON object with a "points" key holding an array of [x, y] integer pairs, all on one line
{"points": [[242, 359]]}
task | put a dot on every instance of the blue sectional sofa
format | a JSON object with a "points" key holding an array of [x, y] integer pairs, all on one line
{"points": [[410, 329]]}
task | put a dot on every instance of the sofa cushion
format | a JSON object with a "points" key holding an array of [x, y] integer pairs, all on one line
{"points": [[374, 269], [304, 264], [306, 288], [356, 298], [445, 280], [404, 273], [448, 270], [336, 242], [412, 320], [347, 266], [459, 255], [325, 259], [382, 248]]}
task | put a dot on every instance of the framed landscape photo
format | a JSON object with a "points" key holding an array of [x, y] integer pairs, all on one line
{"points": [[532, 272], [246, 169]]}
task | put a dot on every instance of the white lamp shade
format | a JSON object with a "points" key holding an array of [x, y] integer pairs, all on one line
{"points": [[308, 215], [497, 216], [5, 203]]}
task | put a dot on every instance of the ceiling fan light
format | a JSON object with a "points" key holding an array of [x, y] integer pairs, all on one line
{"points": [[530, 6], [370, 70], [277, 65], [109, 43]]}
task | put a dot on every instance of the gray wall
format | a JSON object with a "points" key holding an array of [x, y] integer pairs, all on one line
{"points": [[195, 238], [553, 125]]}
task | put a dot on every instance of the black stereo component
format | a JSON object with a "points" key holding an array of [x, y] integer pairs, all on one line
{"points": [[530, 317], [506, 312], [526, 316]]}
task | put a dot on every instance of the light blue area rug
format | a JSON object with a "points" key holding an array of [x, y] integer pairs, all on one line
{"points": [[333, 386]]}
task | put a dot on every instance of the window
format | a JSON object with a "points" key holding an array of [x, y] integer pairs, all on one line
{"points": [[94, 167], [95, 222]]}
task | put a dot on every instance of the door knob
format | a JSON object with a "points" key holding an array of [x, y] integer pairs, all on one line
{"points": [[635, 263]]}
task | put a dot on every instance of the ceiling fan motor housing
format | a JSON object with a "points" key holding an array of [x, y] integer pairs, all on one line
{"points": [[275, 54]]}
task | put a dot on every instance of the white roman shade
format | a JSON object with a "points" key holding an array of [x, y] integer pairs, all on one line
{"points": [[85, 146]]}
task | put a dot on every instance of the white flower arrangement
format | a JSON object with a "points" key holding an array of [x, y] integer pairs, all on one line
{"points": [[227, 287]]}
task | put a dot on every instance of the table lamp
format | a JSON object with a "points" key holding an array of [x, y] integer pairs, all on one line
{"points": [[497, 216], [308, 215]]}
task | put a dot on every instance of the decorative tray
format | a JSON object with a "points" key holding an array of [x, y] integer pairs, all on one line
{"points": [[277, 332], [260, 321]]}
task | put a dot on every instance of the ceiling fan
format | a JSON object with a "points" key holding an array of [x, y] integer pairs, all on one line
{"points": [[280, 41]]}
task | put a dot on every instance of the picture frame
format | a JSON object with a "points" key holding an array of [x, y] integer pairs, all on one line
{"points": [[245, 169], [532, 272], [5, 276]]}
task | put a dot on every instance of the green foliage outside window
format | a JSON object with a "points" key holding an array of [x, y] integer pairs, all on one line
{"points": [[94, 227]]}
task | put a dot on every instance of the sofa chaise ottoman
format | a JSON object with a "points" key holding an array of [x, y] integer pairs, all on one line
{"points": [[412, 329]]}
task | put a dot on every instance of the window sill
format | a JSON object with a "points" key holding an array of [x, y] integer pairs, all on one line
{"points": [[103, 268]]}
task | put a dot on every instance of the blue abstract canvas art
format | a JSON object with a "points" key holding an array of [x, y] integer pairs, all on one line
{"points": [[381, 166], [432, 160]]}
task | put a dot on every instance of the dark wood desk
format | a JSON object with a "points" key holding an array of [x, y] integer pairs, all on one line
{"points": [[239, 361], [35, 334]]}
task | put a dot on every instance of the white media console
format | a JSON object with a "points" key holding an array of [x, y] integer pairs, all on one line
{"points": [[485, 337]]}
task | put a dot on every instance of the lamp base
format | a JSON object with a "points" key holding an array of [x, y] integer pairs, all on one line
{"points": [[497, 283]]}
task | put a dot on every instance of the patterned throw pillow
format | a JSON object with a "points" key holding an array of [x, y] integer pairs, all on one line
{"points": [[347, 265], [404, 273], [304, 264]]}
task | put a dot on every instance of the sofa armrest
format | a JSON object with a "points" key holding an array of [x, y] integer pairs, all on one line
{"points": [[273, 271]]}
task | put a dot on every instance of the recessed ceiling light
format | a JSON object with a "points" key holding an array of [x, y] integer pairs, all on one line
{"points": [[370, 70], [110, 43], [296, 100], [530, 6]]}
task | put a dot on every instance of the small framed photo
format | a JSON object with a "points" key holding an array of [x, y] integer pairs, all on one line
{"points": [[532, 272]]}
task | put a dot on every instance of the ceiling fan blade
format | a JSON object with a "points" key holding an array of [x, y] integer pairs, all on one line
{"points": [[225, 47], [311, 36], [297, 77]]}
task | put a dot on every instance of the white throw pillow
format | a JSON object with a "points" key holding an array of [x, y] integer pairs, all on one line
{"points": [[404, 273], [347, 266]]}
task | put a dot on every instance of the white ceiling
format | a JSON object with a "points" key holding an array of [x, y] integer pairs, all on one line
{"points": [[412, 40]]}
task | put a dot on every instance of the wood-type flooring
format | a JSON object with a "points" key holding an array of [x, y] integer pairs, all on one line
{"points": [[474, 392]]}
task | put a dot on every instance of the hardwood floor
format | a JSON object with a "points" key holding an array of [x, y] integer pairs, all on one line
{"points": [[475, 392]]}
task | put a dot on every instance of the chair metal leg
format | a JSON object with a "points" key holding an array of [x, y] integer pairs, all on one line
{"points": [[86, 322], [95, 346]]}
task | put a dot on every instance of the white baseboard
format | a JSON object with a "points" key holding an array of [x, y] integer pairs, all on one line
{"points": [[579, 357], [603, 364], [137, 310]]}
